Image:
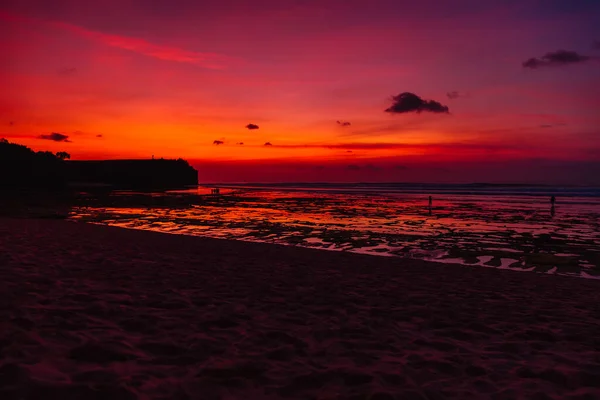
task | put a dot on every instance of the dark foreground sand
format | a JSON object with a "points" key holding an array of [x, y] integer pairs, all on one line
{"points": [[93, 312]]}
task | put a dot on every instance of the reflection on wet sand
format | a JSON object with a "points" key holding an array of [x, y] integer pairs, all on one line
{"points": [[512, 232]]}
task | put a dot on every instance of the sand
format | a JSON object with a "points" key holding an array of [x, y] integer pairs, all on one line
{"points": [[96, 312]]}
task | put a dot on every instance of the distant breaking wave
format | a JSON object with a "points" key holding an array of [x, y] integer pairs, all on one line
{"points": [[476, 189]]}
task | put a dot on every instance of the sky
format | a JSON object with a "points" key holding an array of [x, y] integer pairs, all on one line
{"points": [[315, 90]]}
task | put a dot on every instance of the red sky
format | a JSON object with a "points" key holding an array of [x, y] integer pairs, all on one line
{"points": [[136, 78]]}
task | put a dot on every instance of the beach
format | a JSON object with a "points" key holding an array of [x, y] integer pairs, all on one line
{"points": [[97, 312]]}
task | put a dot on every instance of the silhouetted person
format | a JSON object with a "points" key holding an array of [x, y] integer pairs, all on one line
{"points": [[552, 208], [430, 204]]}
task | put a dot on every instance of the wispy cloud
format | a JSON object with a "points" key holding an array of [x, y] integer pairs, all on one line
{"points": [[218, 142], [556, 58], [386, 128], [141, 46], [268, 144], [343, 123], [350, 147], [55, 136], [552, 125], [67, 71], [409, 102], [455, 94]]}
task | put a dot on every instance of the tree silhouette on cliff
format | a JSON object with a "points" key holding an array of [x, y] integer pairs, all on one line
{"points": [[22, 167]]}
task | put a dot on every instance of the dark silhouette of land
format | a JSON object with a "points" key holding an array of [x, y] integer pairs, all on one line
{"points": [[46, 185], [134, 174], [25, 168]]}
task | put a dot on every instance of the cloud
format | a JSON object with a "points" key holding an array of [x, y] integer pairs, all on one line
{"points": [[11, 123], [552, 125], [66, 71], [252, 126], [136, 45], [372, 167], [218, 142], [349, 146], [455, 94], [99, 136], [240, 143], [409, 102], [343, 123], [268, 144], [430, 147], [56, 137], [559, 57]]}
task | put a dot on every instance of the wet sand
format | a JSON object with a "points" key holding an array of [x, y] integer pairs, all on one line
{"points": [[98, 312], [507, 232]]}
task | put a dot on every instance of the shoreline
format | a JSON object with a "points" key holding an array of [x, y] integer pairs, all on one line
{"points": [[95, 310], [443, 257]]}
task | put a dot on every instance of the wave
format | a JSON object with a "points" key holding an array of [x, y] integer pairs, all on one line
{"points": [[477, 189]]}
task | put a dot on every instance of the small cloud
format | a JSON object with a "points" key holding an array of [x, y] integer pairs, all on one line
{"points": [[409, 102], [252, 126], [99, 136], [218, 142], [66, 71], [240, 143], [343, 123], [349, 151], [559, 57], [455, 94], [372, 167], [268, 144], [11, 123], [552, 125], [56, 137]]}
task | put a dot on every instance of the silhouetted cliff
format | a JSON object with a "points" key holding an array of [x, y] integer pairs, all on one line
{"points": [[134, 174], [22, 167]]}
